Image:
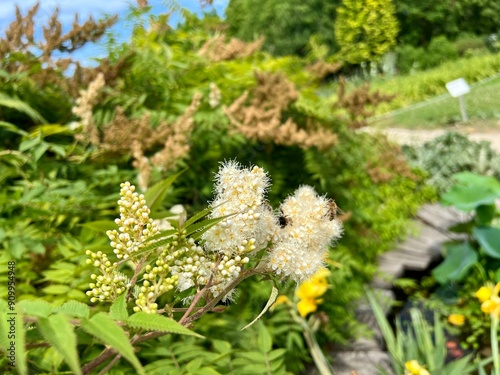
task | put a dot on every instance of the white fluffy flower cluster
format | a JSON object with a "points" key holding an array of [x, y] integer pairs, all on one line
{"points": [[310, 227], [250, 225], [240, 193]]}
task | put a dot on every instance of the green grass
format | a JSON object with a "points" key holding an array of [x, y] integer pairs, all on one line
{"points": [[482, 104]]}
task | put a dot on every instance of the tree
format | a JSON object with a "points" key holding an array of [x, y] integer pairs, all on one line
{"points": [[287, 24], [425, 19], [365, 29]]}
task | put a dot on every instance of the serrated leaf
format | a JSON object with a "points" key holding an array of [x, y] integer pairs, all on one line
{"points": [[206, 371], [221, 346], [459, 259], [56, 289], [253, 369], [253, 356], [154, 322], [75, 309], [270, 302], [37, 307], [110, 333], [100, 226], [275, 354], [194, 365], [156, 193], [59, 333], [264, 340], [118, 310], [489, 239]]}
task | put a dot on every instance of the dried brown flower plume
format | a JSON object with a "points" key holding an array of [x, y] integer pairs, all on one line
{"points": [[19, 39], [263, 119], [360, 103], [216, 49]]}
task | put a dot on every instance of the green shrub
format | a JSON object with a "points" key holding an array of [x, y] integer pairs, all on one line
{"points": [[52, 183], [451, 153], [470, 45], [409, 58], [424, 85], [439, 50]]}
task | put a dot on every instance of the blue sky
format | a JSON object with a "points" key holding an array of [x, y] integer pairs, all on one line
{"points": [[96, 8]]}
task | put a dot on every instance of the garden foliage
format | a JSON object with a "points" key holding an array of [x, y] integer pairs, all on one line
{"points": [[452, 153], [164, 103]]}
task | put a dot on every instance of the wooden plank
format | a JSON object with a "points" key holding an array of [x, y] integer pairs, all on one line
{"points": [[409, 259]]}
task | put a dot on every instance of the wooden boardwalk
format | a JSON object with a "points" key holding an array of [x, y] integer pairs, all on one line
{"points": [[367, 356]]}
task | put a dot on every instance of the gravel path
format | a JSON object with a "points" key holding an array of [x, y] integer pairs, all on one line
{"points": [[419, 136]]}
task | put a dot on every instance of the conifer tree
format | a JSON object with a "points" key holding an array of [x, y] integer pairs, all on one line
{"points": [[365, 29]]}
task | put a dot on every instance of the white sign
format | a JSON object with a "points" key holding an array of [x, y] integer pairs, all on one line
{"points": [[458, 87]]}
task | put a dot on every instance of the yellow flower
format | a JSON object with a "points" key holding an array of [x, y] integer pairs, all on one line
{"points": [[483, 294], [414, 368], [310, 291], [280, 301], [456, 319], [488, 295]]}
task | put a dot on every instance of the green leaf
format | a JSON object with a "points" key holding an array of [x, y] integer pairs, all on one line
{"points": [[270, 302], [19, 105], [21, 364], [29, 143], [59, 333], [197, 217], [12, 128], [118, 310], [489, 239], [56, 289], [264, 339], [254, 357], [74, 308], [202, 226], [472, 191], [40, 150], [37, 307], [485, 213], [154, 322], [4, 329], [156, 193], [469, 178], [194, 365], [221, 346], [459, 259], [110, 333], [385, 328], [206, 371], [275, 354], [100, 226]]}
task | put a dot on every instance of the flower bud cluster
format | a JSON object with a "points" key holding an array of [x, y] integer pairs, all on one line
{"points": [[110, 284], [227, 270], [135, 225], [303, 244]]}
